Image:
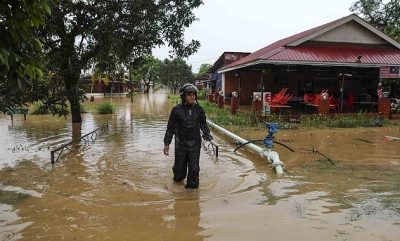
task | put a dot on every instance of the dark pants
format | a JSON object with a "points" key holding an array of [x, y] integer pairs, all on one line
{"points": [[187, 162]]}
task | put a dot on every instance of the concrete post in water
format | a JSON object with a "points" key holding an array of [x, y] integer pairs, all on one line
{"points": [[384, 107], [234, 103], [256, 104], [210, 96], [220, 101], [323, 105], [216, 96]]}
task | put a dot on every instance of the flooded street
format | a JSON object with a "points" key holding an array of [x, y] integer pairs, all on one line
{"points": [[120, 187]]}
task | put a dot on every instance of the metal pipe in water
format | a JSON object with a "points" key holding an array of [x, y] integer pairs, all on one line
{"points": [[268, 153]]}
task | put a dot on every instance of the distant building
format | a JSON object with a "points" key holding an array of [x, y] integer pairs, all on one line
{"points": [[212, 79], [100, 86]]}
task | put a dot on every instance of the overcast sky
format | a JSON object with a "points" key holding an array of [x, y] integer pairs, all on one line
{"points": [[248, 25]]}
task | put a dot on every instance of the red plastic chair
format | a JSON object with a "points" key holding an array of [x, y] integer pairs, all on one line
{"points": [[333, 103], [350, 102], [286, 98], [308, 98], [316, 99]]}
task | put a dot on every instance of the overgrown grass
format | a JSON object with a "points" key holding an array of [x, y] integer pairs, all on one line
{"points": [[240, 121], [343, 121], [202, 94], [174, 99], [84, 108], [87, 107], [105, 108], [222, 116], [39, 108]]}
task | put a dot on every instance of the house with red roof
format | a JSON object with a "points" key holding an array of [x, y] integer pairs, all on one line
{"points": [[345, 57]]}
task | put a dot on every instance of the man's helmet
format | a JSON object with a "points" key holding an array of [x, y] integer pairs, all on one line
{"points": [[187, 88]]}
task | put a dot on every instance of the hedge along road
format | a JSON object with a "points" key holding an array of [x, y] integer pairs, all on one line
{"points": [[120, 187]]}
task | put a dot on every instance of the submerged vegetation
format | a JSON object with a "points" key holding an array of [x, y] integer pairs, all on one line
{"points": [[105, 108], [256, 121], [39, 108], [8, 197]]}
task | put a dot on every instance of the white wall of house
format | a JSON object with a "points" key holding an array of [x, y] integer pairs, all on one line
{"points": [[350, 32]]}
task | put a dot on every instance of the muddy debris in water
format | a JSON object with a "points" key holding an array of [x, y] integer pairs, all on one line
{"points": [[11, 198], [363, 140], [317, 157]]}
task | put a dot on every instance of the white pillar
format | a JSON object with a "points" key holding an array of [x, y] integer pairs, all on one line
{"points": [[223, 82]]}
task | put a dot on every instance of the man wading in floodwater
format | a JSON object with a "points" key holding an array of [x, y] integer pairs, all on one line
{"points": [[185, 122]]}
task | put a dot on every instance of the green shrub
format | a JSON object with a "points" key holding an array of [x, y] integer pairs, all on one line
{"points": [[60, 110], [12, 198], [202, 94], [105, 108], [84, 108], [174, 99], [38, 108]]}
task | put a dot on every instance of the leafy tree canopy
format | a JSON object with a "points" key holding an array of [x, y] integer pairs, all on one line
{"points": [[384, 15], [147, 69], [20, 65], [81, 33], [204, 68], [174, 73]]}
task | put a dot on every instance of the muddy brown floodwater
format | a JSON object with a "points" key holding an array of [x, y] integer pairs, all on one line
{"points": [[119, 187]]}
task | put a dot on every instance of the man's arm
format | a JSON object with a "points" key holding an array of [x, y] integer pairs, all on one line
{"points": [[204, 127], [171, 129]]}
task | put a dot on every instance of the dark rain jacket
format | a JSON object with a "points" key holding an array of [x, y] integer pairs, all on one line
{"points": [[185, 122]]}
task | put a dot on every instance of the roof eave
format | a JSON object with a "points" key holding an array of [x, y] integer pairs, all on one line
{"points": [[281, 62]]}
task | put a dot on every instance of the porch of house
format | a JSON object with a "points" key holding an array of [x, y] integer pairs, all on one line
{"points": [[298, 89]]}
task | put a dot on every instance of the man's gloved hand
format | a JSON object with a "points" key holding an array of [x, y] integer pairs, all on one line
{"points": [[208, 137], [166, 150]]}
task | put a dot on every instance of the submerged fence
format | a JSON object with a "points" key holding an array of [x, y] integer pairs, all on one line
{"points": [[91, 136]]}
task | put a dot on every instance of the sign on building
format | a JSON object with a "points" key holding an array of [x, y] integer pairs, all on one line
{"points": [[389, 72]]}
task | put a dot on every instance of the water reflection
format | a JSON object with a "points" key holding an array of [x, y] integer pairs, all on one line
{"points": [[119, 186], [184, 220]]}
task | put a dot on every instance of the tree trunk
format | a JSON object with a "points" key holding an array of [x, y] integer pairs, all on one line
{"points": [[71, 73], [75, 110], [76, 132], [73, 95]]}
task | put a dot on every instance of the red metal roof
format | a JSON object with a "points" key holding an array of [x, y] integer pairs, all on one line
{"points": [[320, 52], [338, 53]]}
